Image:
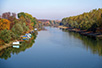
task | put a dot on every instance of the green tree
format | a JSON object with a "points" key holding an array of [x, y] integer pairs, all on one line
{"points": [[25, 28], [5, 35], [17, 29], [84, 21]]}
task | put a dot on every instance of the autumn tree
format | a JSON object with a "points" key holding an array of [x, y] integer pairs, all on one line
{"points": [[4, 24], [84, 21], [10, 16], [28, 19]]}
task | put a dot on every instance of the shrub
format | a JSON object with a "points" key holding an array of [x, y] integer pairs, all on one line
{"points": [[17, 29], [5, 35]]}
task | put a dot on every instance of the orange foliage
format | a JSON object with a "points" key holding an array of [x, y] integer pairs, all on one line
{"points": [[4, 24], [21, 17], [27, 21], [30, 26], [32, 23]]}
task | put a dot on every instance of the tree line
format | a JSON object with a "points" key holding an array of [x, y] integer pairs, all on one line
{"points": [[90, 21], [12, 28]]}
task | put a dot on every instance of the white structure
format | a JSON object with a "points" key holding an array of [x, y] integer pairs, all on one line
{"points": [[28, 35], [16, 43], [14, 46], [35, 29]]}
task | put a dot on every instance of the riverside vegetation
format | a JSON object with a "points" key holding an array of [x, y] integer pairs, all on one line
{"points": [[6, 53], [88, 24], [86, 21], [11, 28]]}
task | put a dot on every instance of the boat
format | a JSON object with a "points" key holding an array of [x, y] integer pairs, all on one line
{"points": [[32, 32], [25, 38], [35, 29], [16, 46], [28, 35], [16, 43]]}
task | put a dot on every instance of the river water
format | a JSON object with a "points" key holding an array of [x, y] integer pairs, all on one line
{"points": [[55, 48]]}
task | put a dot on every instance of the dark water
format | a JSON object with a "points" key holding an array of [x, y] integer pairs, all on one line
{"points": [[55, 49]]}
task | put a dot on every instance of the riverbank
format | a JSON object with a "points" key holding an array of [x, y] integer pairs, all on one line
{"points": [[90, 34], [6, 45]]}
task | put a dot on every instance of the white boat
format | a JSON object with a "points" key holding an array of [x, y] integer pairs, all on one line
{"points": [[14, 46], [35, 29], [16, 42], [28, 35]]}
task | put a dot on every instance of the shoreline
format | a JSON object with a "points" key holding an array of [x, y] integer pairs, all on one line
{"points": [[81, 32], [90, 34], [6, 45]]}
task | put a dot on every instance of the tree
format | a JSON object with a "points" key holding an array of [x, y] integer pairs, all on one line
{"points": [[25, 28], [6, 15], [84, 21], [4, 24], [5, 35], [28, 19], [17, 29]]}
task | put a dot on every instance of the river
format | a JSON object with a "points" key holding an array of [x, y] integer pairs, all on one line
{"points": [[55, 48]]}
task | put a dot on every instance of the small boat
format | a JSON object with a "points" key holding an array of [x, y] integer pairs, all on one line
{"points": [[25, 38], [16, 46], [16, 43], [28, 35], [32, 32], [35, 29]]}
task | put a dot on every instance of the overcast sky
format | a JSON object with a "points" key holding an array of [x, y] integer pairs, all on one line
{"points": [[49, 9]]}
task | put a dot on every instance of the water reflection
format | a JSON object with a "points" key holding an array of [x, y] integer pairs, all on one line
{"points": [[90, 44], [6, 53]]}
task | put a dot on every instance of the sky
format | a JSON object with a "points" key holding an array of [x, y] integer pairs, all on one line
{"points": [[50, 9]]}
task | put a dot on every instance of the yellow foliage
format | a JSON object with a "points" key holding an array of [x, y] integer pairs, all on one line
{"points": [[4, 24]]}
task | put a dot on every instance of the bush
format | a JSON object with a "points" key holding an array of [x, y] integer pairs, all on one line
{"points": [[5, 35], [25, 28], [17, 29], [13, 36]]}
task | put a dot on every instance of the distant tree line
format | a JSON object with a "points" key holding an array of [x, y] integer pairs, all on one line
{"points": [[49, 22], [90, 21]]}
